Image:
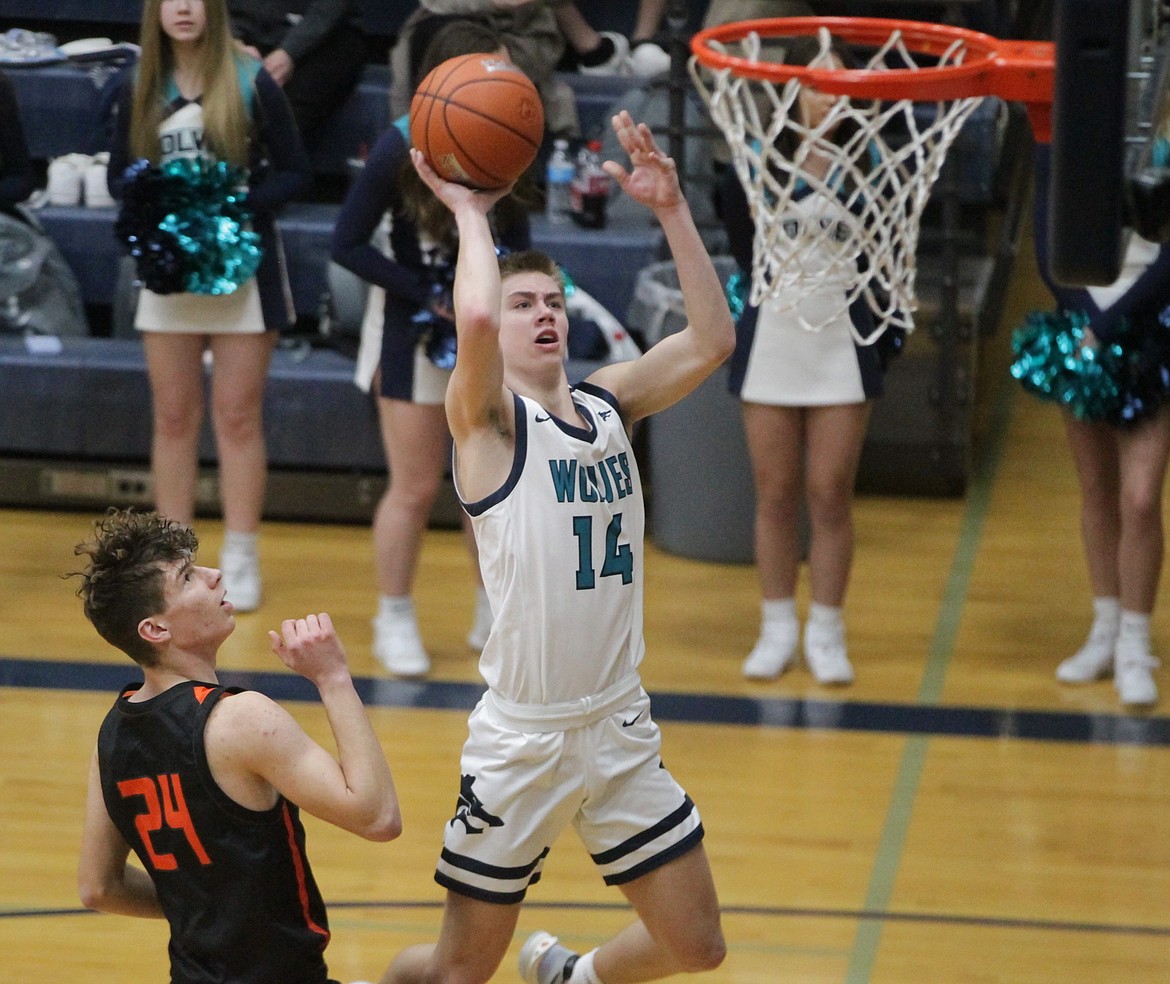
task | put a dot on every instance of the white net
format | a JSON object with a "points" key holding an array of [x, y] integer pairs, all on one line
{"points": [[837, 215]]}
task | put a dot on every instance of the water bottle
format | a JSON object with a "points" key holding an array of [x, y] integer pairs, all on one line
{"points": [[590, 187], [558, 184]]}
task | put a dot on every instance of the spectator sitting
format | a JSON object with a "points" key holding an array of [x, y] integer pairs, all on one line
{"points": [[314, 49]]}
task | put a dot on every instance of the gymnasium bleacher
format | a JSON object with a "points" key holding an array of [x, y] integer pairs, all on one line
{"points": [[45, 459]]}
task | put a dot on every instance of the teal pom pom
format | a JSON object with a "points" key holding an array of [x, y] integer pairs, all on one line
{"points": [[186, 223], [1121, 383], [1053, 362], [209, 220]]}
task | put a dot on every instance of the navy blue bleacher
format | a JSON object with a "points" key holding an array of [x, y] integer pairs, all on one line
{"points": [[65, 11], [605, 262], [61, 108]]}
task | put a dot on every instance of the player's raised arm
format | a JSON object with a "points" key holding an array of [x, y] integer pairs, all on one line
{"points": [[250, 733], [475, 394], [678, 363]]}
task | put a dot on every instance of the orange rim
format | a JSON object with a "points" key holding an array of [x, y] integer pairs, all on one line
{"points": [[1017, 70]]}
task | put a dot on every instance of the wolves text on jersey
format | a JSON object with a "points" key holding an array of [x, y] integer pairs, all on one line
{"points": [[604, 482]]}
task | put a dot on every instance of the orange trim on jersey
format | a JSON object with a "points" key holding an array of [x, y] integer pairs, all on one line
{"points": [[299, 867], [201, 693]]}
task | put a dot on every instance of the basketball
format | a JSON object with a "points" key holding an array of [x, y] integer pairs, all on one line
{"points": [[478, 120]]}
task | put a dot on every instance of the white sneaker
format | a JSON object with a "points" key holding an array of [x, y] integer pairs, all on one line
{"points": [[773, 652], [398, 646], [241, 579], [824, 651], [66, 179], [97, 192], [544, 961], [618, 63], [1133, 676], [478, 636], [1093, 660], [648, 59]]}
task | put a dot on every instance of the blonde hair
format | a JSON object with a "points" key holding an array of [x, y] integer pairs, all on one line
{"points": [[225, 118]]}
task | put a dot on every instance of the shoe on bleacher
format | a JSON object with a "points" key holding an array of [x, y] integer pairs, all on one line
{"points": [[616, 64], [97, 192], [66, 179], [648, 59]]}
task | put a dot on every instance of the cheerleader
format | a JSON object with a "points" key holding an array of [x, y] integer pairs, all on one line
{"points": [[1103, 356], [192, 104], [806, 388]]}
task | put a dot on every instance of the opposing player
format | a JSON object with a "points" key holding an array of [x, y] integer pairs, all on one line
{"points": [[564, 733], [203, 782]]}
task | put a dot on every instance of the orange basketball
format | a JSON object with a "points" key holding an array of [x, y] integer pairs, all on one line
{"points": [[478, 120]]}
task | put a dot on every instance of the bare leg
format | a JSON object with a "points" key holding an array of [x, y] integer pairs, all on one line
{"points": [[472, 941], [237, 411], [835, 437], [1095, 456], [576, 29], [416, 441], [650, 14], [1142, 455], [175, 367], [678, 927], [775, 439], [1096, 459]]}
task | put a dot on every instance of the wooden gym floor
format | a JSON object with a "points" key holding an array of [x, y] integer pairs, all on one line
{"points": [[954, 816]]}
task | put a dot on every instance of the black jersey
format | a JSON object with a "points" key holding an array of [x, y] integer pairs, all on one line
{"points": [[234, 883]]}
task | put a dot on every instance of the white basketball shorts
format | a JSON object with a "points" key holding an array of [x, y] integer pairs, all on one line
{"points": [[519, 789]]}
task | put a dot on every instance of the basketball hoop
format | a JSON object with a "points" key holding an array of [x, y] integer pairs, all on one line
{"points": [[857, 232]]}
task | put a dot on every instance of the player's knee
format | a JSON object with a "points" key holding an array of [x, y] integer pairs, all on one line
{"points": [[703, 952]]}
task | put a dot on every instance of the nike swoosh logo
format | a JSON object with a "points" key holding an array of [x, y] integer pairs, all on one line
{"points": [[540, 419], [626, 724]]}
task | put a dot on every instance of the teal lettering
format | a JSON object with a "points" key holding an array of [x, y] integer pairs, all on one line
{"points": [[628, 482], [607, 492], [587, 484], [563, 475]]}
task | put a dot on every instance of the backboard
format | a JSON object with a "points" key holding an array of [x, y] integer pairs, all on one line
{"points": [[1108, 97]]}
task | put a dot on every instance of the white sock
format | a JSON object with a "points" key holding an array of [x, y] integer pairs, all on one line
{"points": [[825, 615], [241, 544], [583, 971], [390, 606], [776, 614], [1106, 614], [1134, 627]]}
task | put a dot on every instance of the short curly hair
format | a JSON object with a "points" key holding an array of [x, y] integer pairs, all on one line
{"points": [[123, 583]]}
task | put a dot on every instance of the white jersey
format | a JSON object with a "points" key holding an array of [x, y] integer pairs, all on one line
{"points": [[561, 550]]}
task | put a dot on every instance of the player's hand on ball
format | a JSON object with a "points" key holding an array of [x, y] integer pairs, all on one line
{"points": [[451, 194]]}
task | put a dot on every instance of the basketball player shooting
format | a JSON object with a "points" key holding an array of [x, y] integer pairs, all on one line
{"points": [[564, 734]]}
